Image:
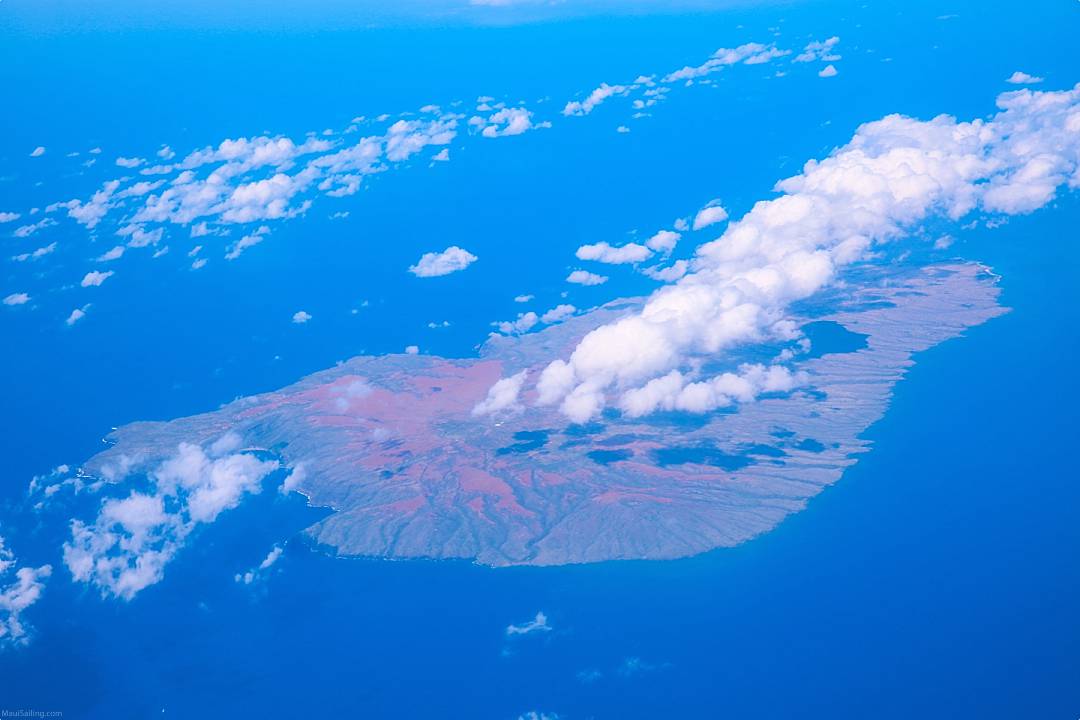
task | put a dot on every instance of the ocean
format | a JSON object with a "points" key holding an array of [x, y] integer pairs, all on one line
{"points": [[936, 579]]}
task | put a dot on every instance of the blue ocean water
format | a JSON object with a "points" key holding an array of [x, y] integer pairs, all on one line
{"points": [[935, 580]]}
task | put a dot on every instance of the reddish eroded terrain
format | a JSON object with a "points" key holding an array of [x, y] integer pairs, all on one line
{"points": [[392, 446]]}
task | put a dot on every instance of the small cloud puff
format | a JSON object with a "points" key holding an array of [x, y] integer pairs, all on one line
{"points": [[1022, 78], [503, 395], [17, 299], [539, 624], [558, 314], [132, 162], [113, 254], [605, 253], [711, 214], [76, 315], [255, 573], [828, 72], [301, 316], [597, 96], [819, 50], [663, 241], [436, 264], [583, 277], [94, 278]]}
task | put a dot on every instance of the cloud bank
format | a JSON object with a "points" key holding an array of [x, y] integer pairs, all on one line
{"points": [[19, 589], [127, 546], [894, 174]]}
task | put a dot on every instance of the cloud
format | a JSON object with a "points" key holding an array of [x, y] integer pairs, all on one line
{"points": [[130, 162], [894, 174], [114, 254], [250, 240], [39, 253], [299, 317], [257, 572], [19, 589], [539, 624], [38, 151], [436, 264], [523, 323], [6, 217], [92, 211], [139, 237], [605, 253], [673, 392], [523, 298], [94, 278], [139, 189], [819, 50], [1022, 78], [583, 277], [749, 54], [594, 98], [503, 395], [828, 71], [663, 241], [510, 121], [20, 298], [441, 156], [28, 230], [131, 541], [558, 314], [711, 214], [412, 350], [669, 274], [76, 315], [223, 183]]}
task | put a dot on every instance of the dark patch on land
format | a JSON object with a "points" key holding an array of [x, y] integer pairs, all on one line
{"points": [[606, 457], [763, 449], [828, 337], [703, 454], [809, 445], [527, 441]]}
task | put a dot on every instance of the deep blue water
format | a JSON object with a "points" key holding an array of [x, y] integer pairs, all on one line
{"points": [[936, 579]]}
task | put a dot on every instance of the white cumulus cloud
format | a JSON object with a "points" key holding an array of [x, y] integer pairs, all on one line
{"points": [[19, 298], [131, 541], [435, 264], [19, 589], [894, 174], [605, 253], [711, 214], [94, 278], [1022, 78], [584, 277], [503, 395]]}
